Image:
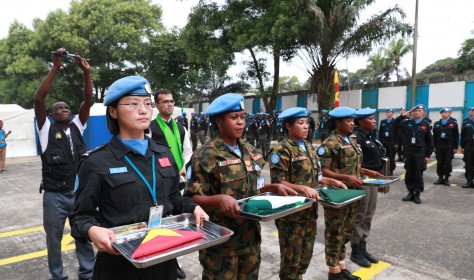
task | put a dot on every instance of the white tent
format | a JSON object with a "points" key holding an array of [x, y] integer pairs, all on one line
{"points": [[22, 141]]}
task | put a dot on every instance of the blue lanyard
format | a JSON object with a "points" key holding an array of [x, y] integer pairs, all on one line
{"points": [[152, 190], [415, 131]]}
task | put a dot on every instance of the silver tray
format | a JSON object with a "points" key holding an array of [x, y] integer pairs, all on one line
{"points": [[389, 179], [130, 236], [265, 218], [337, 205]]}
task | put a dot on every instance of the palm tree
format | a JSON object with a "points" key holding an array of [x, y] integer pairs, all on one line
{"points": [[336, 33], [379, 67], [396, 50]]}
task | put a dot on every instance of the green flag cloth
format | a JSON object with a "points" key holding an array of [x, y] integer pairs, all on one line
{"points": [[339, 195], [173, 139], [266, 205]]}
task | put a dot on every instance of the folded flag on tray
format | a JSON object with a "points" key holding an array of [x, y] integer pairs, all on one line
{"points": [[339, 195], [375, 181], [160, 239], [271, 204]]}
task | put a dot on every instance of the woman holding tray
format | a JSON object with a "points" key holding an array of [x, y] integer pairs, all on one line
{"points": [[223, 170], [373, 151], [341, 159], [126, 181], [294, 163]]}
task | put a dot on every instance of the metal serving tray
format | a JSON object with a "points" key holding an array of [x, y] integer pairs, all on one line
{"points": [[336, 205], [265, 218], [389, 180], [129, 238]]}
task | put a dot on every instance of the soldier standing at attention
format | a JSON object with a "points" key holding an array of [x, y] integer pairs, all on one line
{"points": [[294, 163], [446, 139], [224, 170], [387, 133], [341, 159], [467, 147], [373, 151], [399, 132], [324, 127], [418, 143]]}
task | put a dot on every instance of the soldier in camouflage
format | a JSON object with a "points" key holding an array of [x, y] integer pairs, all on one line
{"points": [[294, 162], [224, 170], [341, 159]]}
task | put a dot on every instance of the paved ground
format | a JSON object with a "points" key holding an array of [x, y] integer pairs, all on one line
{"points": [[433, 240]]}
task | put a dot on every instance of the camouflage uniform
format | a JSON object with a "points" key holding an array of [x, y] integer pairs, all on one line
{"points": [[296, 232], [344, 158], [217, 170]]}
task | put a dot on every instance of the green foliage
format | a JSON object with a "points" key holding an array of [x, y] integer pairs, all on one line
{"points": [[288, 84], [466, 57]]}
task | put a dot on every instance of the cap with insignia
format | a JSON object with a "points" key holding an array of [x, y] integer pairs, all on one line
{"points": [[229, 102], [445, 110], [420, 106], [295, 112], [389, 110], [342, 113], [131, 85], [364, 112]]}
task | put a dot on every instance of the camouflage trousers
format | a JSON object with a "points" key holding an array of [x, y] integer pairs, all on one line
{"points": [[242, 267], [339, 229], [296, 234]]}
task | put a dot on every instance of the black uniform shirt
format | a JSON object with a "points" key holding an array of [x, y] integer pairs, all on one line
{"points": [[372, 150], [387, 131], [112, 194], [421, 132], [446, 135], [467, 133]]}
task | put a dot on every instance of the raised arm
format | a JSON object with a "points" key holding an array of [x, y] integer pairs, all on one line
{"points": [[86, 104]]}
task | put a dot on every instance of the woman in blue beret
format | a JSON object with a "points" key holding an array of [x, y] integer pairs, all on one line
{"points": [[294, 163], [223, 170], [341, 159], [373, 152], [121, 182]]}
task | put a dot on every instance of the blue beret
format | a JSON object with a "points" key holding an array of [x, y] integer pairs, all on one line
{"points": [[193, 113], [445, 110], [295, 112], [364, 112], [184, 114], [324, 111], [419, 106], [342, 113], [228, 102], [471, 109], [402, 108], [134, 85], [389, 110]]}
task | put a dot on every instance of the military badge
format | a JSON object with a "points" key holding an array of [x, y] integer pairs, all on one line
{"points": [[257, 167], [275, 159], [321, 151], [57, 135]]}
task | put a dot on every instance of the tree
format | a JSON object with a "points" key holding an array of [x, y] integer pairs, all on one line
{"points": [[466, 57], [396, 50], [288, 84], [336, 33], [379, 68]]}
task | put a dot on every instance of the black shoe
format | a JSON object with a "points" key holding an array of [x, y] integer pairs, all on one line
{"points": [[348, 275], [180, 273], [357, 256], [446, 182], [367, 255], [440, 181], [416, 198], [469, 184], [336, 276], [409, 196]]}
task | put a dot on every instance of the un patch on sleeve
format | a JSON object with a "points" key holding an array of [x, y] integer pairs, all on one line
{"points": [[275, 159], [321, 151]]}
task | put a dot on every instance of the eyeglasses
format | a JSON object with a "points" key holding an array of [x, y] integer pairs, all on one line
{"points": [[134, 105], [167, 101]]}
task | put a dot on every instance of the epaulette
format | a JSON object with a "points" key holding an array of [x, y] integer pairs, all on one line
{"points": [[88, 153]]}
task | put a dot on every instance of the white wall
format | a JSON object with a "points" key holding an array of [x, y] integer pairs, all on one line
{"points": [[395, 97], [288, 101], [312, 103], [351, 98], [248, 104], [446, 95], [22, 141]]}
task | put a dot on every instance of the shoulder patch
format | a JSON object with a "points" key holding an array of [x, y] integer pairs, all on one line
{"points": [[321, 150], [274, 158], [88, 153]]}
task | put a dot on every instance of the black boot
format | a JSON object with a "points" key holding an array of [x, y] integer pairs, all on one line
{"points": [[357, 256], [336, 276], [409, 197], [416, 198], [367, 255], [180, 273], [348, 275], [440, 181], [446, 181], [469, 184]]}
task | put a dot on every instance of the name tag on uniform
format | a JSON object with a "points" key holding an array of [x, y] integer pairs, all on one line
{"points": [[386, 134], [413, 140], [443, 135], [118, 170], [156, 212], [260, 182]]}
